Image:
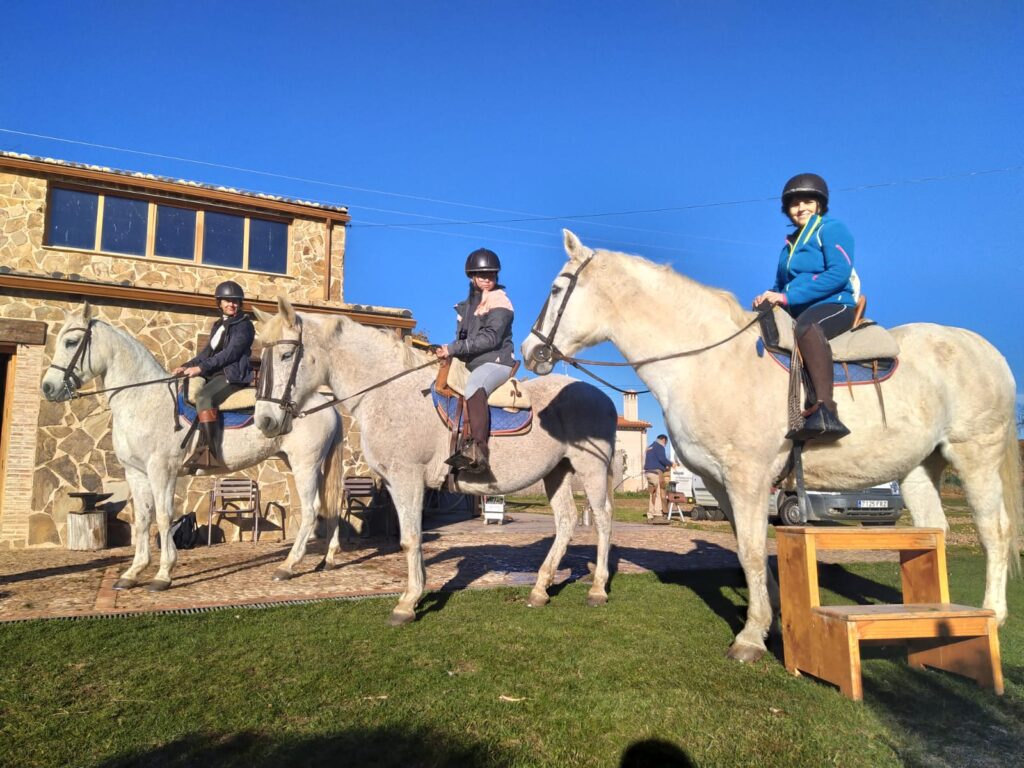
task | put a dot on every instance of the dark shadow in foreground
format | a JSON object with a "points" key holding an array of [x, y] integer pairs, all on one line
{"points": [[377, 747], [655, 753]]}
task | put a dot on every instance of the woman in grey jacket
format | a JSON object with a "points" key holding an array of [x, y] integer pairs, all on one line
{"points": [[484, 343]]}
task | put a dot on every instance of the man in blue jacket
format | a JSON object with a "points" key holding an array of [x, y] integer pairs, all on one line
{"points": [[224, 364], [655, 464]]}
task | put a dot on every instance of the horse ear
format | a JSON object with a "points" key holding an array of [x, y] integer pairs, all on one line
{"points": [[573, 247], [261, 316], [86, 311], [284, 307]]}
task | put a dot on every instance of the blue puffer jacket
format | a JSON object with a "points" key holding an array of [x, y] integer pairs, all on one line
{"points": [[233, 356], [816, 265]]}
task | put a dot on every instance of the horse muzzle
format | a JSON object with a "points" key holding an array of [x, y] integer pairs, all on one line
{"points": [[541, 359], [56, 392]]}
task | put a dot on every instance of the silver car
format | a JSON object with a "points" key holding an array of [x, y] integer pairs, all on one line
{"points": [[879, 505]]}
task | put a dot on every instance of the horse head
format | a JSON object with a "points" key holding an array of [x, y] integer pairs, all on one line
{"points": [[73, 363], [290, 368], [563, 327]]}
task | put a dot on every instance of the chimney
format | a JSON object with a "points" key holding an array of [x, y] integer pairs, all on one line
{"points": [[630, 406]]}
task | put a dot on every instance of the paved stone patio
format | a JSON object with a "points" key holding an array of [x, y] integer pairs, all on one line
{"points": [[50, 583]]}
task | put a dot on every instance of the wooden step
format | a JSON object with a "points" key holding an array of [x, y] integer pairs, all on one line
{"points": [[908, 621]]}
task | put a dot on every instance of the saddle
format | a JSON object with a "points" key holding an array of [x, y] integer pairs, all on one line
{"points": [[866, 341], [866, 354], [451, 382], [236, 411]]}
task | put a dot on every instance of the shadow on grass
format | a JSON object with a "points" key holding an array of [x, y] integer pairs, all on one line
{"points": [[377, 747], [946, 720]]}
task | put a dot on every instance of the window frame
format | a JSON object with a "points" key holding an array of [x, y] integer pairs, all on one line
{"points": [[153, 200]]}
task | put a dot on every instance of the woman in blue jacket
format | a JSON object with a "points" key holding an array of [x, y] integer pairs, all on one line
{"points": [[224, 364], [815, 284]]}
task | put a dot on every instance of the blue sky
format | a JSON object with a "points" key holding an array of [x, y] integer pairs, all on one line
{"points": [[418, 114]]}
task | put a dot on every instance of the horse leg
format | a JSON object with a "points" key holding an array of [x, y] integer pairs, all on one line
{"points": [[558, 487], [750, 522], [596, 486], [978, 466], [163, 496], [920, 489], [142, 503], [306, 480], [407, 495]]}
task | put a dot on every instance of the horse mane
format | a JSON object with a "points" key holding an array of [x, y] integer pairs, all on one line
{"points": [[667, 276], [273, 329]]}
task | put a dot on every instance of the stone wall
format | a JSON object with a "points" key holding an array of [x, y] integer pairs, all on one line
{"points": [[22, 219], [73, 448]]}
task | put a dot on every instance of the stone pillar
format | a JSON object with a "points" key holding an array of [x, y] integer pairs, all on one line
{"points": [[19, 470]]}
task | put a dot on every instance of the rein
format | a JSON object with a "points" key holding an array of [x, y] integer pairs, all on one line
{"points": [[548, 352]]}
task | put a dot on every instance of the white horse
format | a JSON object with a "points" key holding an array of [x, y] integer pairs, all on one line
{"points": [[149, 448], [951, 401], [405, 442]]}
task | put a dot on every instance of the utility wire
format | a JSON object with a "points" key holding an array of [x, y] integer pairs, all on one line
{"points": [[440, 220], [522, 216]]}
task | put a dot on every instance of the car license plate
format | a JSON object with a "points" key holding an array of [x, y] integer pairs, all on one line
{"points": [[873, 503]]}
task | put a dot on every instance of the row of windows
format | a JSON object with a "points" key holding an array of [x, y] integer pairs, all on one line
{"points": [[105, 222]]}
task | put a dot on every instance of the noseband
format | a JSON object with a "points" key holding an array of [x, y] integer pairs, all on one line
{"points": [[265, 391], [547, 352], [72, 381]]}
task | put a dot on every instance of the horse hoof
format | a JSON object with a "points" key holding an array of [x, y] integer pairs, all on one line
{"points": [[595, 601], [400, 618], [537, 601], [282, 575], [125, 584], [745, 653], [323, 565], [158, 586]]}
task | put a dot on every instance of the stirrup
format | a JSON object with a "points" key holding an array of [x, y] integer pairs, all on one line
{"points": [[822, 424]]}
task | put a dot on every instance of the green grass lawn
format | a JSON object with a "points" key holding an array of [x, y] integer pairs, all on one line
{"points": [[481, 680]]}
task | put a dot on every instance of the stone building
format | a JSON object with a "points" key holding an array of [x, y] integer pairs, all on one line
{"points": [[147, 252], [630, 444]]}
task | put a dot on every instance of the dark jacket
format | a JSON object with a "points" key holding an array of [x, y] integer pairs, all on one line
{"points": [[232, 359], [656, 460], [484, 338]]}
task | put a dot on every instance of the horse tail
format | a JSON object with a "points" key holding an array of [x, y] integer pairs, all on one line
{"points": [[1010, 475], [332, 479]]}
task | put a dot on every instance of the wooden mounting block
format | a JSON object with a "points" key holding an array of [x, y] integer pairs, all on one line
{"points": [[824, 641]]}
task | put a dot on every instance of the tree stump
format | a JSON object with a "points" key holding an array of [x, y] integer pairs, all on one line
{"points": [[87, 530]]}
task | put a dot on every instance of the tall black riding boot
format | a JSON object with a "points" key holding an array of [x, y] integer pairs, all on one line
{"points": [[480, 429], [207, 453], [822, 418]]}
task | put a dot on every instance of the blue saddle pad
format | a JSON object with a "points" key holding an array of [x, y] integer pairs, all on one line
{"points": [[231, 419], [842, 373], [502, 422]]}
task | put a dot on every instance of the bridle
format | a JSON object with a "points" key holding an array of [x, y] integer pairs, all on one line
{"points": [[547, 352], [265, 391], [71, 380]]}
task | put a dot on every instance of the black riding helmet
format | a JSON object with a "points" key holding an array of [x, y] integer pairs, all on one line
{"points": [[229, 289], [482, 260], [809, 184]]}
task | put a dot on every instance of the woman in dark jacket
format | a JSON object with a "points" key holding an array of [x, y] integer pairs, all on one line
{"points": [[224, 364], [815, 282], [484, 343]]}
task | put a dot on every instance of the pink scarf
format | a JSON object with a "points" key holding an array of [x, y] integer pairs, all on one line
{"points": [[496, 299]]}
